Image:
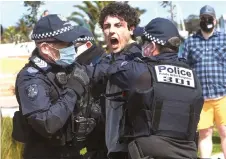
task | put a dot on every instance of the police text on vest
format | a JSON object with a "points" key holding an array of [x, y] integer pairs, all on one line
{"points": [[175, 75]]}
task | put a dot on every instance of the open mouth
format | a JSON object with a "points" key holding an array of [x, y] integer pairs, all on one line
{"points": [[114, 41]]}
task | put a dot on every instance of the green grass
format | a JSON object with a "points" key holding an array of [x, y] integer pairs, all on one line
{"points": [[10, 149], [216, 143]]}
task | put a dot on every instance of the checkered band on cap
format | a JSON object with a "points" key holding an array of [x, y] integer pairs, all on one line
{"points": [[154, 39], [51, 34], [86, 38]]}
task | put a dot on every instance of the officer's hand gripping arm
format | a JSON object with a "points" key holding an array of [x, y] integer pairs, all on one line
{"points": [[78, 81]]}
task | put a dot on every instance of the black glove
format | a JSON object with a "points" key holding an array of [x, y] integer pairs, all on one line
{"points": [[78, 81]]}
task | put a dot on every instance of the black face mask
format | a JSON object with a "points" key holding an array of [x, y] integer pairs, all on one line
{"points": [[206, 24]]}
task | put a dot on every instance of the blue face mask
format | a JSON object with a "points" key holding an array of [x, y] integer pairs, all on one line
{"points": [[67, 56]]}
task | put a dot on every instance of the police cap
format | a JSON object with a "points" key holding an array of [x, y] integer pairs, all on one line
{"points": [[159, 30], [83, 34], [54, 27]]}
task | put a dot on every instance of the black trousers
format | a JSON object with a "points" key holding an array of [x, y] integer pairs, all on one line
{"points": [[118, 155], [42, 151], [96, 155], [159, 147]]}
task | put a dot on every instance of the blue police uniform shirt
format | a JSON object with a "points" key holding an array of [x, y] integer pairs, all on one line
{"points": [[34, 97]]}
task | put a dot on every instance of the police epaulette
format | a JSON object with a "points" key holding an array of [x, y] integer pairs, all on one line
{"points": [[39, 63]]}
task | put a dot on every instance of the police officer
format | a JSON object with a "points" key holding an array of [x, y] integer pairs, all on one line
{"points": [[47, 90], [117, 21], [89, 53], [162, 97]]}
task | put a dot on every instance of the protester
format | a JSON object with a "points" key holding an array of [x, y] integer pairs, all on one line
{"points": [[117, 21]]}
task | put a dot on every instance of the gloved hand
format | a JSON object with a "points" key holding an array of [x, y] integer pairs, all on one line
{"points": [[83, 127], [78, 80]]}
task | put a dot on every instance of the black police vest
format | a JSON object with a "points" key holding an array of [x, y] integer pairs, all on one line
{"points": [[177, 100], [176, 103]]}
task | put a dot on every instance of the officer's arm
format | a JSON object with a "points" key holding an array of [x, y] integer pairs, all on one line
{"points": [[98, 72], [44, 117], [136, 80]]}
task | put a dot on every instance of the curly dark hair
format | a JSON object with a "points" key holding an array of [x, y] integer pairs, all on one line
{"points": [[122, 10]]}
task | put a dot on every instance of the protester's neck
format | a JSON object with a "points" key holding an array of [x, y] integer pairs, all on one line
{"points": [[207, 35]]}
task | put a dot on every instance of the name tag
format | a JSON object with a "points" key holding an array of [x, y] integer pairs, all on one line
{"points": [[175, 75]]}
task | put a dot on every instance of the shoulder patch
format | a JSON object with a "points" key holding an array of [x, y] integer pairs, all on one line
{"points": [[32, 70], [32, 91]]}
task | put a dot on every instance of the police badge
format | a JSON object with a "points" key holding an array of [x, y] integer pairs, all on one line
{"points": [[32, 91]]}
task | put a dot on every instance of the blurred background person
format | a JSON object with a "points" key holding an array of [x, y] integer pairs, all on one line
{"points": [[205, 52]]}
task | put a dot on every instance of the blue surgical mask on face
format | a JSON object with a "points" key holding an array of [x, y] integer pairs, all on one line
{"points": [[67, 56]]}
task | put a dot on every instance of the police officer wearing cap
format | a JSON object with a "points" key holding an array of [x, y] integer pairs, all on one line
{"points": [[89, 53], [47, 90], [162, 97]]}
